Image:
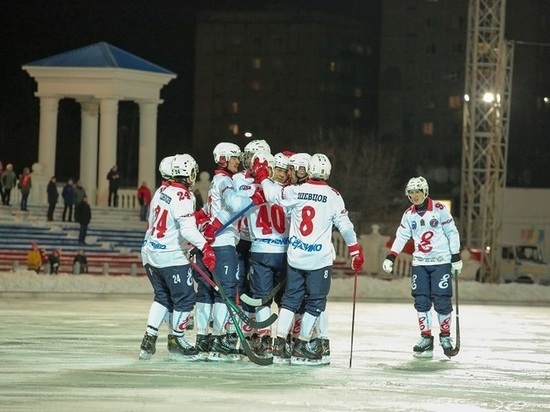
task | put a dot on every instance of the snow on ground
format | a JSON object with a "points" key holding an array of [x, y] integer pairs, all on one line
{"points": [[368, 288]]}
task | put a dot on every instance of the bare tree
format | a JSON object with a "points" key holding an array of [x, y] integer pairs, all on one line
{"points": [[364, 171]]}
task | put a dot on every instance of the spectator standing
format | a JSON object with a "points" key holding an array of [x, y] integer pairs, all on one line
{"points": [[82, 261], [34, 258], [144, 199], [53, 195], [54, 259], [114, 183], [79, 193], [84, 217], [25, 185], [68, 198], [8, 183]]}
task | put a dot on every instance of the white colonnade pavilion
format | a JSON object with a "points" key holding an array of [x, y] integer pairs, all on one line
{"points": [[98, 77]]}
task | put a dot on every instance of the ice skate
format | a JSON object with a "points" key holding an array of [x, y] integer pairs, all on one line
{"points": [[424, 349], [223, 349], [446, 344], [148, 348], [202, 344], [304, 354], [180, 349], [264, 348], [322, 346], [281, 351]]}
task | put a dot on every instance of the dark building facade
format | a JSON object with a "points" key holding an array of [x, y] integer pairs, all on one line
{"points": [[422, 67], [282, 75]]}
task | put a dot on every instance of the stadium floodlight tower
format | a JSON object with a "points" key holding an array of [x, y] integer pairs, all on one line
{"points": [[488, 79]]}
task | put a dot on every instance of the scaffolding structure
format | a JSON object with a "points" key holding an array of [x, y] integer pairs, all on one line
{"points": [[488, 81]]}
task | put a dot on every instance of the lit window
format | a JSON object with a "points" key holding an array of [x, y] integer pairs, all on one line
{"points": [[256, 85], [427, 129], [454, 102], [256, 63], [332, 66], [356, 113], [234, 128], [234, 107]]}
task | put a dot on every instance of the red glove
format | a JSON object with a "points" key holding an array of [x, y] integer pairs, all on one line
{"points": [[357, 258], [210, 230], [258, 197], [208, 257], [260, 170], [201, 217], [288, 153]]}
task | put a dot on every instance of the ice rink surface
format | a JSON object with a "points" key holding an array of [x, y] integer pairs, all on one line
{"points": [[71, 353]]}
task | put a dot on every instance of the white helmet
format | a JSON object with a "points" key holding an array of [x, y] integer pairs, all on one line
{"points": [[225, 151], [183, 165], [281, 161], [319, 167], [165, 167], [417, 183], [299, 160], [255, 146]]}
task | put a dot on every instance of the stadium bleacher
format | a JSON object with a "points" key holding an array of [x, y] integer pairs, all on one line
{"points": [[112, 247]]}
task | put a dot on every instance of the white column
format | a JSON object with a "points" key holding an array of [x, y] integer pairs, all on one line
{"points": [[88, 148], [107, 146], [147, 143], [47, 135]]}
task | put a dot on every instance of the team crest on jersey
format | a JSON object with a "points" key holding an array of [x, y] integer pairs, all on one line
{"points": [[414, 225], [245, 187], [434, 223]]}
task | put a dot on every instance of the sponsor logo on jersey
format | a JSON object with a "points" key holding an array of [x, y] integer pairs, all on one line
{"points": [[436, 259], [156, 245], [312, 196], [165, 198], [434, 223], [296, 243], [280, 241]]}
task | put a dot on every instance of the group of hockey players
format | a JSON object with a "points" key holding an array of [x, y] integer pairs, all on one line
{"points": [[264, 235]]}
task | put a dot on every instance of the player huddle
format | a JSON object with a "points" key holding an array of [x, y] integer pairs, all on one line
{"points": [[262, 235]]}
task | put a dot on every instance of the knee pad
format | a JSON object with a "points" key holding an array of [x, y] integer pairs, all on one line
{"points": [[422, 303]]}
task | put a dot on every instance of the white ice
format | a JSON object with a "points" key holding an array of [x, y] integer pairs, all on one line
{"points": [[64, 350]]}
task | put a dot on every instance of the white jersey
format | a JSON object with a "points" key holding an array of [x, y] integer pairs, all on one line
{"points": [[163, 185], [222, 204], [314, 208], [434, 234], [244, 182], [172, 229], [268, 227]]}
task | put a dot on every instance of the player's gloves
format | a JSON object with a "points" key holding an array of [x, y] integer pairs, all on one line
{"points": [[260, 170], [209, 257], [258, 196], [357, 258], [210, 230], [387, 265], [456, 264], [201, 217]]}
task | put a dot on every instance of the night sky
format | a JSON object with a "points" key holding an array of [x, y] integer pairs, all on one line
{"points": [[159, 31]]}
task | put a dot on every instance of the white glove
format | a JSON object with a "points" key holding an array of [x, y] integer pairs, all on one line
{"points": [[456, 267], [387, 266]]}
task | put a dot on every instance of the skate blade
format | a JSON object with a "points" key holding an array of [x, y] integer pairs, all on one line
{"points": [[325, 360], [219, 357], [277, 360], [145, 355], [427, 354], [303, 361], [203, 356], [182, 358]]}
